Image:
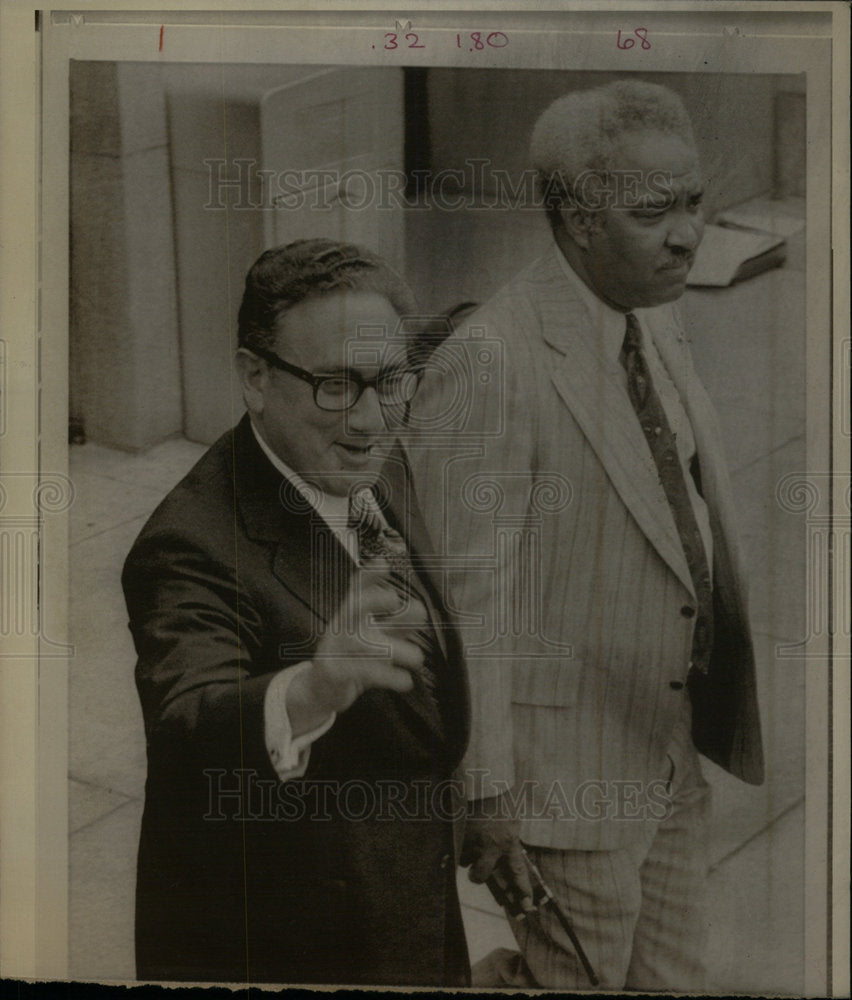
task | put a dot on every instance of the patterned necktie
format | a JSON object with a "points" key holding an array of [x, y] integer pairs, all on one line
{"points": [[661, 441], [378, 540]]}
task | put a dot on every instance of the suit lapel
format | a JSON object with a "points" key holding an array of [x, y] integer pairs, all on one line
{"points": [[308, 559], [591, 386], [312, 564], [728, 572], [399, 504]]}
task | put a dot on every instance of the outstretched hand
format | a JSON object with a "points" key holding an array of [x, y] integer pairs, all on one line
{"points": [[369, 644]]}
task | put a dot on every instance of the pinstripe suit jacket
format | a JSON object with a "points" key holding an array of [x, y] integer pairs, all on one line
{"points": [[567, 570]]}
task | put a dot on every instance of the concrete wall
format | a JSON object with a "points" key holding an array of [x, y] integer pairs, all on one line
{"points": [[489, 115], [214, 114], [125, 379], [214, 248], [157, 273]]}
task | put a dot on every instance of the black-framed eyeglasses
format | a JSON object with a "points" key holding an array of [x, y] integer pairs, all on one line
{"points": [[393, 386]]}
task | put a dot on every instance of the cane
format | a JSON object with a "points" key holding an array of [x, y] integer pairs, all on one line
{"points": [[565, 923]]}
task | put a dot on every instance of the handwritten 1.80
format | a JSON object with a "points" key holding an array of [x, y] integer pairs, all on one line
{"points": [[474, 41], [496, 40], [628, 43]]}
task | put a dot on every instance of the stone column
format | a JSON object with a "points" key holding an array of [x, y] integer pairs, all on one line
{"points": [[125, 375]]}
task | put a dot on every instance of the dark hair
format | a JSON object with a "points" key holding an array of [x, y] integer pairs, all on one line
{"points": [[305, 269]]}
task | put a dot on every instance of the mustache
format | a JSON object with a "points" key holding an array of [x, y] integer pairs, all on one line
{"points": [[678, 260]]}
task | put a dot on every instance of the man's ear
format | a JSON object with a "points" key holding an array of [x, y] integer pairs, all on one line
{"points": [[253, 374], [580, 223]]}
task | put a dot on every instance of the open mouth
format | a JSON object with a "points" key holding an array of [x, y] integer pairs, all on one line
{"points": [[678, 265], [357, 451]]}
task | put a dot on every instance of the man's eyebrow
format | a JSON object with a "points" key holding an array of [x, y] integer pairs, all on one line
{"points": [[660, 201], [654, 201], [349, 370]]}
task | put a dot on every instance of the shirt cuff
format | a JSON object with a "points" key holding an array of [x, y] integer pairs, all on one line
{"points": [[289, 755]]}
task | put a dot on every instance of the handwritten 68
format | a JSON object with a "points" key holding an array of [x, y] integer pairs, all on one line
{"points": [[628, 43]]}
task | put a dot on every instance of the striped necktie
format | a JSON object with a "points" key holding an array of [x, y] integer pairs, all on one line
{"points": [[661, 441], [376, 540]]}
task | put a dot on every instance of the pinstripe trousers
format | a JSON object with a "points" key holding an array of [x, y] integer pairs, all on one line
{"points": [[639, 911]]}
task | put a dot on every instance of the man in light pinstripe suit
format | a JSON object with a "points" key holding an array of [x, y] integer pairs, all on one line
{"points": [[593, 689]]}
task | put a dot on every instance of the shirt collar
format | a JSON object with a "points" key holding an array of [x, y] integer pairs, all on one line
{"points": [[608, 324], [334, 510]]}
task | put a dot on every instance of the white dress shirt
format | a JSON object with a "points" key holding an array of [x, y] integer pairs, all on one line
{"points": [[290, 755], [610, 326]]}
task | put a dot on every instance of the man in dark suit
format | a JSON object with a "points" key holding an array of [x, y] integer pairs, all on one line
{"points": [[304, 701]]}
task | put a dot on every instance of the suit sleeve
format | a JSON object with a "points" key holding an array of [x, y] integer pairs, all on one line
{"points": [[471, 456], [200, 676]]}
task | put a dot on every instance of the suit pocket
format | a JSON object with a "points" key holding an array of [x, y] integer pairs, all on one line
{"points": [[548, 683]]}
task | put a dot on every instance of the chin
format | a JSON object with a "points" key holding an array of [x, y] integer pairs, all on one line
{"points": [[669, 294], [343, 484]]}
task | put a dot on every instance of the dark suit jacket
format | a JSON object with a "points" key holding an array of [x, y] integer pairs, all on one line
{"points": [[346, 875]]}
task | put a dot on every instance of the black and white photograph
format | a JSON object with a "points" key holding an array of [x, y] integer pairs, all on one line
{"points": [[426, 531]]}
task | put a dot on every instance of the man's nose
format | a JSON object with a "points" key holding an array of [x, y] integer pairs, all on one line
{"points": [[685, 232], [367, 414]]}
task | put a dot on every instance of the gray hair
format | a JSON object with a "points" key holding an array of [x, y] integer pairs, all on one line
{"points": [[578, 133]]}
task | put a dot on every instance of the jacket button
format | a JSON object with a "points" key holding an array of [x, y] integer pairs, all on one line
{"points": [[445, 861], [687, 611], [675, 685]]}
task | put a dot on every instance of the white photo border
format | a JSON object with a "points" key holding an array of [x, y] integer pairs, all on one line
{"points": [[697, 37]]}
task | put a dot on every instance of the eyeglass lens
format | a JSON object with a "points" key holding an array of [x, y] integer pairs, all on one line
{"points": [[341, 392]]}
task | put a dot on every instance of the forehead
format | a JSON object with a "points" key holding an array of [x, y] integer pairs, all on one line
{"points": [[660, 155], [333, 331]]}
